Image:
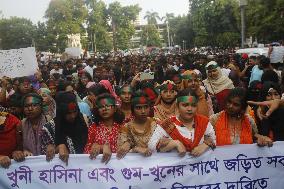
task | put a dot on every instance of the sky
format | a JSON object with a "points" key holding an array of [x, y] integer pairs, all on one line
{"points": [[35, 9]]}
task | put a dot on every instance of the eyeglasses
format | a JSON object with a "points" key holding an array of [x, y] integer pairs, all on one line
{"points": [[33, 105]]}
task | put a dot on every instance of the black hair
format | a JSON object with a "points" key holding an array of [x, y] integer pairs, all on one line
{"points": [[269, 75], [23, 79], [35, 95], [15, 100], [266, 86], [77, 131], [171, 73], [123, 86], [69, 61], [264, 61], [98, 89], [138, 93], [187, 92], [240, 93], [87, 75], [118, 116]]}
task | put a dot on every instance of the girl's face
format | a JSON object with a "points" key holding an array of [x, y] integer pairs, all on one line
{"points": [[70, 117], [32, 107], [106, 108], [141, 111], [84, 79], [187, 108], [125, 94], [272, 94], [213, 73]]}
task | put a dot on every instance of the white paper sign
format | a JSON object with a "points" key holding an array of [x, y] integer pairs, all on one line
{"points": [[229, 167], [73, 51], [18, 62]]}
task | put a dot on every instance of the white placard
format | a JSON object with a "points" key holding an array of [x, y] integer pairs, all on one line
{"points": [[73, 51], [229, 167], [18, 62]]}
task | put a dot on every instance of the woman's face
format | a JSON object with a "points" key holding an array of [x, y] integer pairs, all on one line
{"points": [[193, 83], [106, 109], [234, 106], [84, 79], [187, 110], [141, 111], [125, 94], [32, 107], [272, 94], [70, 117], [213, 73], [25, 87], [46, 99]]}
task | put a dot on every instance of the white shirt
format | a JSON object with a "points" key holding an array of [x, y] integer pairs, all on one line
{"points": [[90, 69], [160, 133], [53, 71]]}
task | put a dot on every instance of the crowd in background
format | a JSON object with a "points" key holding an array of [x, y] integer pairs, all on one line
{"points": [[103, 105]]}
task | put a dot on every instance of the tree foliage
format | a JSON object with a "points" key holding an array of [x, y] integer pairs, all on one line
{"points": [[65, 17], [150, 36], [122, 19], [98, 27], [152, 17], [16, 33], [265, 20]]}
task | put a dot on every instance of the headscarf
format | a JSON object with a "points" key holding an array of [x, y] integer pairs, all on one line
{"points": [[74, 135], [49, 109], [219, 84], [108, 86]]}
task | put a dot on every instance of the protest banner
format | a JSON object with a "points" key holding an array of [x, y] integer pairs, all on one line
{"points": [[229, 167], [18, 62]]}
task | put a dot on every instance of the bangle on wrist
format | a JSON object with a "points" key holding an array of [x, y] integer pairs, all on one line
{"points": [[210, 144]]}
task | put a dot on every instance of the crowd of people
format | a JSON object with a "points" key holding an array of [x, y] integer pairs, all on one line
{"points": [[103, 105]]}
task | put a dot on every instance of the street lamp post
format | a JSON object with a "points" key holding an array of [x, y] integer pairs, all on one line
{"points": [[168, 31], [243, 4]]}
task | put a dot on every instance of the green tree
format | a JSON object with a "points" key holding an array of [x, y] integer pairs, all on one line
{"points": [[211, 18], [65, 17], [150, 36], [152, 17], [16, 33], [41, 40], [265, 20], [167, 33], [98, 26], [122, 26]]}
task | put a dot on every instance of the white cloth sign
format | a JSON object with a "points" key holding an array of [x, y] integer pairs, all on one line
{"points": [[73, 51], [18, 62], [230, 167], [277, 55]]}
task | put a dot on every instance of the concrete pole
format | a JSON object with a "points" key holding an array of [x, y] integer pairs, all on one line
{"points": [[168, 30], [243, 25], [243, 4]]}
